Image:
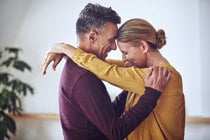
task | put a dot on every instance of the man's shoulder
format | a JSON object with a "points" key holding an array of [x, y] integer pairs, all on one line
{"points": [[73, 75], [73, 69], [70, 65]]}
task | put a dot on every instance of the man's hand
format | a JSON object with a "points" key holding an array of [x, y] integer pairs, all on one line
{"points": [[157, 78], [51, 57]]}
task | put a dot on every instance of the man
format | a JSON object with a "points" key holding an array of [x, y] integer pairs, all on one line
{"points": [[86, 110]]}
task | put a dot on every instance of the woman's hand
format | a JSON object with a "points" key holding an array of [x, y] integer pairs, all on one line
{"points": [[55, 55], [51, 57], [58, 48]]}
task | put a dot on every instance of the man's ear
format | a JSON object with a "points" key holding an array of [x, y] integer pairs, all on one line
{"points": [[92, 36], [144, 46]]}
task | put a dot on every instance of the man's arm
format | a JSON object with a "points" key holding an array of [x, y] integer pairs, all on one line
{"points": [[119, 102], [153, 75], [97, 106]]}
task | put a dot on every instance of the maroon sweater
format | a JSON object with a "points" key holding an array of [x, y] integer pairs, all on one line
{"points": [[86, 110]]}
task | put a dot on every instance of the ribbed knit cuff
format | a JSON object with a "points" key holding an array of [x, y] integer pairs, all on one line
{"points": [[155, 93]]}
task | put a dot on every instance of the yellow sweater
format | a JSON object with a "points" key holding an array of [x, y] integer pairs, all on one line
{"points": [[167, 121]]}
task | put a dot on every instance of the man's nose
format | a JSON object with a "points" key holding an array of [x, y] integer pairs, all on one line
{"points": [[114, 46], [124, 58]]}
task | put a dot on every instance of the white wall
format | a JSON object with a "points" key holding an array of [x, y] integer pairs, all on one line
{"points": [[204, 36], [12, 14], [46, 22]]}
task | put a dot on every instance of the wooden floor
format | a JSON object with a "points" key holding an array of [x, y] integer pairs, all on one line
{"points": [[47, 127]]}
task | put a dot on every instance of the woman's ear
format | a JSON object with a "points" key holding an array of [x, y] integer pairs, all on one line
{"points": [[144, 46], [92, 36]]}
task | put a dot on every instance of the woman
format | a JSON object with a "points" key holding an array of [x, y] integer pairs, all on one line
{"points": [[139, 43]]}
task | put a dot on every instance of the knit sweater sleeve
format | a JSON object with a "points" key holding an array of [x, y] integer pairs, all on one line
{"points": [[112, 73], [98, 108]]}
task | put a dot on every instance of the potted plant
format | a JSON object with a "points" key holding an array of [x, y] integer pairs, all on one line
{"points": [[11, 89]]}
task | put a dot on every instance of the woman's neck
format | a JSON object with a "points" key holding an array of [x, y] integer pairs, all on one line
{"points": [[156, 59]]}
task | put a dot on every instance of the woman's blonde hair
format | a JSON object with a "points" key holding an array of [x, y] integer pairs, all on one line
{"points": [[136, 30]]}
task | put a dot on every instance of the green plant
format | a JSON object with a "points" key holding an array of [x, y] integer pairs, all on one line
{"points": [[11, 89]]}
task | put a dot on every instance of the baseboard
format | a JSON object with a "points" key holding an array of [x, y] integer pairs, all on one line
{"points": [[189, 119]]}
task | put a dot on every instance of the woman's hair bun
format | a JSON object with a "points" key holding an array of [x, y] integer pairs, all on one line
{"points": [[161, 39]]}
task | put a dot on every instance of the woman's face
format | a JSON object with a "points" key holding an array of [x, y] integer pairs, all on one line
{"points": [[135, 55]]}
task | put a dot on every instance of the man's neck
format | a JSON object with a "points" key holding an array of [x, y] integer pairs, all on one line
{"points": [[85, 46]]}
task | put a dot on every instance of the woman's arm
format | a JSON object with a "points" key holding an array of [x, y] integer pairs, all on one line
{"points": [[129, 79]]}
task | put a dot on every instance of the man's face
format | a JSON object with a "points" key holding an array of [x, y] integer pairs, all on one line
{"points": [[105, 41]]}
